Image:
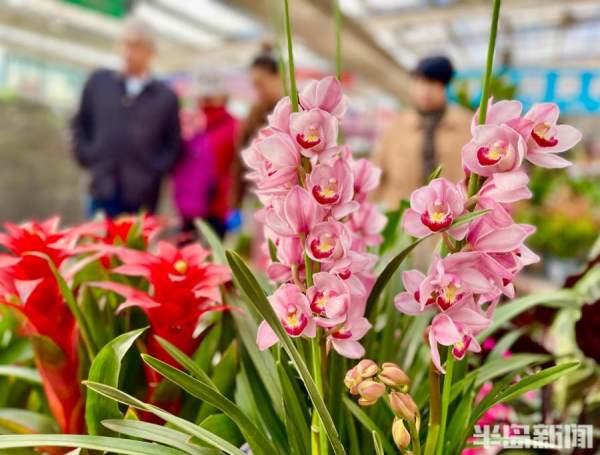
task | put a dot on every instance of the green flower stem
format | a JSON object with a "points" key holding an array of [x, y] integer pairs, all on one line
{"points": [[318, 436], [474, 180], [291, 68], [445, 401], [433, 427], [414, 437], [338, 40]]}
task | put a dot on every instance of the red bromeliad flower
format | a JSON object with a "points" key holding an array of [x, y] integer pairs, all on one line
{"points": [[183, 286], [27, 284]]}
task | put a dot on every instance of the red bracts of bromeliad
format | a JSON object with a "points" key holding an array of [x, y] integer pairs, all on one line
{"points": [[183, 286], [28, 285]]}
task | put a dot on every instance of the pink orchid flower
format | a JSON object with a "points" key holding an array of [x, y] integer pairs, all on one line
{"points": [[329, 299], [547, 138], [433, 208], [366, 225], [355, 271], [494, 148], [409, 301], [344, 338], [290, 254], [325, 94], [452, 279], [456, 329], [296, 214], [293, 310], [487, 237], [329, 241], [504, 112], [366, 178], [280, 117], [507, 187], [333, 187], [273, 161], [314, 131]]}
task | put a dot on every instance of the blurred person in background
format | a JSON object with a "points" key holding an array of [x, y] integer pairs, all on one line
{"points": [[203, 178], [266, 81], [126, 131], [431, 133]]}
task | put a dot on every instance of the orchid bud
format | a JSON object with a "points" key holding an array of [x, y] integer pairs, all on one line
{"points": [[393, 376], [403, 406], [352, 380], [367, 368], [370, 391], [400, 434]]}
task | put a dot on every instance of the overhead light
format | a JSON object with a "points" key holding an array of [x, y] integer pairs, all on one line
{"points": [[354, 8], [214, 15], [170, 26]]}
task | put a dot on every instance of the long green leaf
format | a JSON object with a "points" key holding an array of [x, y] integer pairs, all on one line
{"points": [[157, 433], [387, 273], [218, 253], [295, 418], [124, 446], [535, 381], [178, 422], [257, 298], [26, 374], [508, 311], [186, 362], [21, 421], [256, 438], [368, 423], [377, 443], [105, 370], [498, 367]]}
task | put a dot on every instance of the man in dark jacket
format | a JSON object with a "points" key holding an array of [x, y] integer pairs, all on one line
{"points": [[126, 131]]}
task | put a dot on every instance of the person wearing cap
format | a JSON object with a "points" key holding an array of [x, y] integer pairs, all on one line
{"points": [[430, 133], [126, 131]]}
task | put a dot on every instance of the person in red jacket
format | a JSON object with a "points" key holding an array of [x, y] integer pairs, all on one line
{"points": [[221, 131]]}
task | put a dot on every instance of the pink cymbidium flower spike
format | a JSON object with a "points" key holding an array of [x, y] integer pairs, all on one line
{"points": [[329, 299], [494, 148], [314, 131], [325, 94], [333, 188], [433, 208], [293, 310], [547, 138]]}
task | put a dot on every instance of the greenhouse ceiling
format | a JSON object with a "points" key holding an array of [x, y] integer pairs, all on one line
{"points": [[389, 34]]}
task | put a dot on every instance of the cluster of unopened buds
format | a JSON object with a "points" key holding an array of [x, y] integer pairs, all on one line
{"points": [[481, 258], [317, 220], [371, 382]]}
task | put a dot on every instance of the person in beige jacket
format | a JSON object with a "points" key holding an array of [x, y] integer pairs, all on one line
{"points": [[429, 134]]}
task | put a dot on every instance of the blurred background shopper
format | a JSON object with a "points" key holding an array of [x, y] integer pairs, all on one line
{"points": [[203, 179], [429, 134], [126, 131], [268, 88]]}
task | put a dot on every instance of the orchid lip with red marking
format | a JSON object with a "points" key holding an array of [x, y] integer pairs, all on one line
{"points": [[294, 323], [345, 274], [437, 221], [343, 333], [325, 195], [307, 142], [539, 136], [317, 305], [321, 250], [487, 157], [459, 349]]}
